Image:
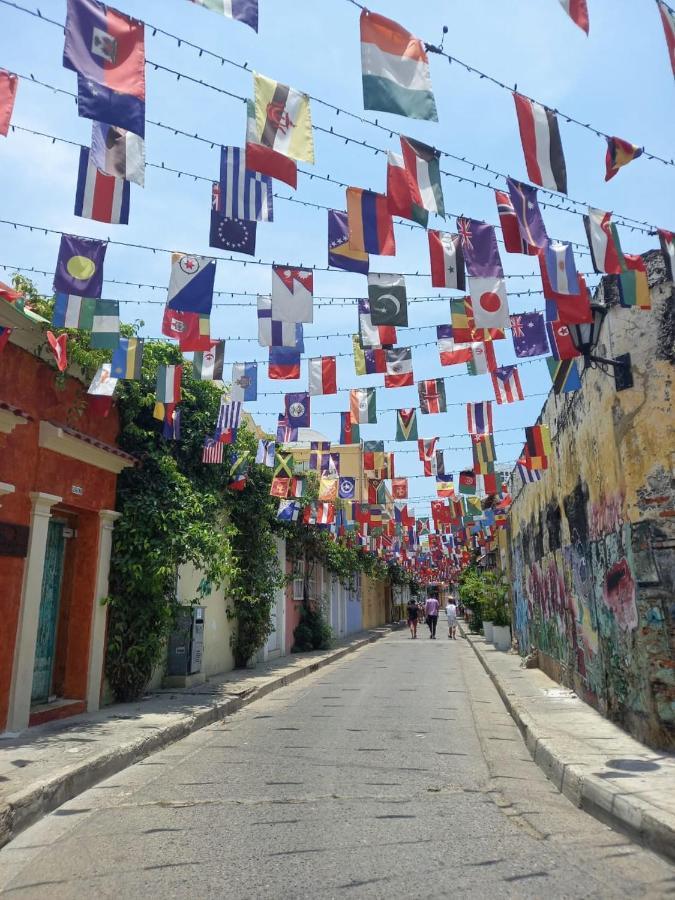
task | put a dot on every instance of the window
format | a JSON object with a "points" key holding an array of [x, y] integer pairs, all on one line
{"points": [[299, 579]]}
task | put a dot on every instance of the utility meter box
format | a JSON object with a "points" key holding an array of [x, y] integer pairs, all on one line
{"points": [[186, 642]]}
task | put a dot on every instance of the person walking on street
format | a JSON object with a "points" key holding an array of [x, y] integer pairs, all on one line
{"points": [[431, 610], [412, 618], [451, 613]]}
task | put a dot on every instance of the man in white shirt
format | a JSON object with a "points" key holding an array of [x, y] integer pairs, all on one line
{"points": [[451, 613]]}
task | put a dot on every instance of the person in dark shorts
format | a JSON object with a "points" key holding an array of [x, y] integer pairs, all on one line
{"points": [[412, 618]]}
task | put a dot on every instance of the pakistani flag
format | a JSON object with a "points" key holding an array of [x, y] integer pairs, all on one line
{"points": [[105, 326], [388, 299], [363, 406]]}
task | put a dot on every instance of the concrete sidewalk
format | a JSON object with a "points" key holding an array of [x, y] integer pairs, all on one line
{"points": [[45, 766], [595, 764]]}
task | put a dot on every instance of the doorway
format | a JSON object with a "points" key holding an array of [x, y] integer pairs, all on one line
{"points": [[50, 600]]}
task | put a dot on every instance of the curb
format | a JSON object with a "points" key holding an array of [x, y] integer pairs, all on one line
{"points": [[585, 791], [25, 808]]}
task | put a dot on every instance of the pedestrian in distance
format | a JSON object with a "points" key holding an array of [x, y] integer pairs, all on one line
{"points": [[412, 618], [451, 613], [431, 610]]}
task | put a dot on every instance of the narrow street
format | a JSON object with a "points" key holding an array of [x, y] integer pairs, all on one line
{"points": [[396, 772]]}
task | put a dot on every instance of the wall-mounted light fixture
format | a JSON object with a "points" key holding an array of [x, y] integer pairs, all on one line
{"points": [[585, 337]]}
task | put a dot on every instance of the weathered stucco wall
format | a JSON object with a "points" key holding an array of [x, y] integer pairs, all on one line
{"points": [[592, 545]]}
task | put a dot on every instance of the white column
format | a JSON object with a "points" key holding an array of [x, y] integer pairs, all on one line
{"points": [[99, 612], [29, 613]]}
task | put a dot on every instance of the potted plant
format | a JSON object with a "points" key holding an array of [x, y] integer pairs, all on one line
{"points": [[501, 622]]}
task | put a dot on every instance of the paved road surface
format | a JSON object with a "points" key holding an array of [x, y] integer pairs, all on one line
{"points": [[395, 773]]}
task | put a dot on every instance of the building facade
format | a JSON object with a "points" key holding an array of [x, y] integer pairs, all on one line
{"points": [[592, 545], [58, 471]]}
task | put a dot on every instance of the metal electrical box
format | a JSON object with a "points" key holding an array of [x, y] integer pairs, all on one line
{"points": [[186, 643]]}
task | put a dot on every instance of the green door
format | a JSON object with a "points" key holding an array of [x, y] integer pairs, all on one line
{"points": [[49, 612]]}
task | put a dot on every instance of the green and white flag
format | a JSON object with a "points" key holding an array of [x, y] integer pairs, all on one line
{"points": [[208, 364], [363, 406], [105, 326]]}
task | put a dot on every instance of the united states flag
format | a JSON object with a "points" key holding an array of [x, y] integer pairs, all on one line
{"points": [[213, 451], [242, 194]]}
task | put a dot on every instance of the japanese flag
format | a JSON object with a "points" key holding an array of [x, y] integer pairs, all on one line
{"points": [[490, 306]]}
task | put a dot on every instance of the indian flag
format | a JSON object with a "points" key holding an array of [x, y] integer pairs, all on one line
{"points": [[395, 70]]}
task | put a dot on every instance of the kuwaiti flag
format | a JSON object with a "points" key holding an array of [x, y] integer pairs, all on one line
{"points": [[340, 255], [451, 352], [506, 382], [447, 260], [540, 136], [107, 50], [603, 240], [283, 120], [395, 69], [526, 207], [191, 283], [101, 197], [577, 10], [619, 153], [118, 152], [668, 19], [207, 365], [363, 406], [292, 294], [399, 368], [561, 268], [414, 182], [298, 409], [479, 417], [244, 384], [322, 374], [245, 11], [490, 306], [371, 227]]}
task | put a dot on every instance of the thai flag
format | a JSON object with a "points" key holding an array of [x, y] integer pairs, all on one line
{"points": [[101, 197], [479, 417]]}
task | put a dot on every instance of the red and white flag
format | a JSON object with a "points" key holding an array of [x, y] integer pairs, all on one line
{"points": [[668, 19], [542, 146], [447, 260], [667, 241], [489, 302], [58, 345], [479, 417], [577, 10], [292, 291], [322, 375], [506, 382], [9, 82], [603, 240], [103, 198]]}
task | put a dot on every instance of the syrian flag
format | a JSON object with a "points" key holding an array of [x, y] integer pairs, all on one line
{"points": [[447, 260], [490, 306], [322, 375], [603, 240], [479, 417], [667, 241], [542, 146], [100, 197], [577, 11], [506, 382]]}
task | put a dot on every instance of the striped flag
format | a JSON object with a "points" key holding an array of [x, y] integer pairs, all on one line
{"points": [[245, 11], [349, 431], [603, 239], [371, 227], [128, 358], [564, 375], [265, 453], [105, 326], [322, 372], [528, 476], [395, 69], [168, 390], [561, 268], [479, 417], [71, 311], [9, 82], [484, 453], [207, 365], [577, 10], [414, 182], [242, 194], [229, 417], [283, 121], [363, 406], [619, 153], [506, 382], [213, 451], [451, 352], [542, 146], [447, 260], [101, 197], [668, 20]]}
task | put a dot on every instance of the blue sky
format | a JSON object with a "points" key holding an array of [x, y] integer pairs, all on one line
{"points": [[619, 80]]}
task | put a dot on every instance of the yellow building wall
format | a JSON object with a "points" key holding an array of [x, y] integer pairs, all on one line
{"points": [[374, 605]]}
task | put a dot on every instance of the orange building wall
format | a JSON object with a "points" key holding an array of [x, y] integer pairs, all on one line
{"points": [[30, 384]]}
